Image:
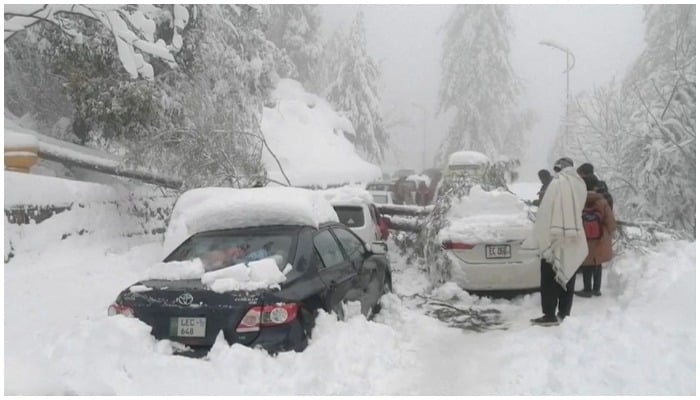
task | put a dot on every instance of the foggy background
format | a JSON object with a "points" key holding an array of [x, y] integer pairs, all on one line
{"points": [[407, 42]]}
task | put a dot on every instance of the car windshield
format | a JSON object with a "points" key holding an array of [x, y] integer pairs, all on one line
{"points": [[352, 217], [380, 198], [225, 249]]}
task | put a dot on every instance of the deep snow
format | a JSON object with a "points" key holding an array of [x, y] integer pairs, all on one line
{"points": [[637, 339]]}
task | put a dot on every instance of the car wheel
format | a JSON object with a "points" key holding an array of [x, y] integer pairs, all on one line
{"points": [[385, 290], [339, 311], [308, 320]]}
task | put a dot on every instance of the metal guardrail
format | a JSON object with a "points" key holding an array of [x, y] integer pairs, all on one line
{"points": [[142, 176]]}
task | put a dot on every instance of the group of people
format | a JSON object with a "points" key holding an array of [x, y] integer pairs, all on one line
{"points": [[403, 194], [569, 202]]}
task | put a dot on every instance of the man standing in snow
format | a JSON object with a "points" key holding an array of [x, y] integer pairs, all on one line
{"points": [[561, 241]]}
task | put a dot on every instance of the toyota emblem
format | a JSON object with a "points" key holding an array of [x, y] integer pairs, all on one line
{"points": [[184, 299]]}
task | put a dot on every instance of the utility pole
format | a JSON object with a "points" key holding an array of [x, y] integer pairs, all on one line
{"points": [[570, 62]]}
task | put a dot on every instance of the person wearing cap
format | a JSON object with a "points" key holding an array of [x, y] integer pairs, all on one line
{"points": [[586, 171], [560, 240]]}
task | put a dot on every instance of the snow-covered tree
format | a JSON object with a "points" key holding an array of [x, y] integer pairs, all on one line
{"points": [[353, 89], [663, 83], [295, 29], [212, 106], [133, 28], [478, 83], [198, 122], [640, 135]]}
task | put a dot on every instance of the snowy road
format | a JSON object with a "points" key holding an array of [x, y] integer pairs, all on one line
{"points": [[638, 338]]}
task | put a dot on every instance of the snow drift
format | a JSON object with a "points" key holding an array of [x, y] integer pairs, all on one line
{"points": [[308, 138]]}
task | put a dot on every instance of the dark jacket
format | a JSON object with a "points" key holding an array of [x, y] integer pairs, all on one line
{"points": [[540, 194]]}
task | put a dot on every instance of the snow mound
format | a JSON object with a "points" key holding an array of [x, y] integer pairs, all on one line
{"points": [[16, 140], [485, 216], [348, 195], [467, 157], [38, 190], [207, 209], [309, 139]]}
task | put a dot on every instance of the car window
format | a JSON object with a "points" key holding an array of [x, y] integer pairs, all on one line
{"points": [[352, 217], [219, 250], [380, 198], [353, 246], [328, 249]]}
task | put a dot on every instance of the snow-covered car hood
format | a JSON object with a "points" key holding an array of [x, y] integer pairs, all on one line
{"points": [[487, 216]]}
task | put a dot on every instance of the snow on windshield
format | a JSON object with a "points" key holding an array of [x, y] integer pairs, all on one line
{"points": [[481, 216], [207, 209], [260, 274]]}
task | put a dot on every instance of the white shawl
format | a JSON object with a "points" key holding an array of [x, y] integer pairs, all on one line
{"points": [[559, 228]]}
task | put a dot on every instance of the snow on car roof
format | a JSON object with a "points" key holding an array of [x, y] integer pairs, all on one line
{"points": [[483, 216], [467, 157], [348, 195], [418, 178], [206, 209]]}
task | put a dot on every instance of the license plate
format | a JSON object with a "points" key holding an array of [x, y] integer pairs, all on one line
{"points": [[188, 327], [497, 251]]}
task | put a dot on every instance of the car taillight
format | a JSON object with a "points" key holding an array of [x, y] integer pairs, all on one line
{"points": [[448, 245], [118, 309], [265, 316]]}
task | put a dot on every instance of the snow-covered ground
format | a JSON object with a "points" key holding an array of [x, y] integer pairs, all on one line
{"points": [[637, 339]]}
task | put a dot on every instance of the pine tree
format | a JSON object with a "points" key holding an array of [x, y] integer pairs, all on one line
{"points": [[353, 89], [478, 82], [294, 28]]}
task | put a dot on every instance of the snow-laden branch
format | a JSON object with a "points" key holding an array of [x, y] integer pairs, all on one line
{"points": [[133, 29]]}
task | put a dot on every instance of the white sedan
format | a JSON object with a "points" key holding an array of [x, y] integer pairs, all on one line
{"points": [[482, 242]]}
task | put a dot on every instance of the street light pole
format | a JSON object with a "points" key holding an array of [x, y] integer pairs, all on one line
{"points": [[569, 67]]}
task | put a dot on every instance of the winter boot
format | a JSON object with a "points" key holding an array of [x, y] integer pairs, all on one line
{"points": [[545, 320]]}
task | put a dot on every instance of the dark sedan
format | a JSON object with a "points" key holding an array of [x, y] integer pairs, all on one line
{"points": [[324, 268]]}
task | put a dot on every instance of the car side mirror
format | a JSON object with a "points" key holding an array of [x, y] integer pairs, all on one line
{"points": [[378, 248]]}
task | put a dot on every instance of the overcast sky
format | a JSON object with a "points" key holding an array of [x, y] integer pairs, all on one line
{"points": [[407, 42]]}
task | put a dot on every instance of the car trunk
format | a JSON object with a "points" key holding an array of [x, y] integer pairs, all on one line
{"points": [[496, 252], [189, 313]]}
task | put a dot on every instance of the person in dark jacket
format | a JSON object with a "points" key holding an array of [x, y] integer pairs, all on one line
{"points": [[422, 194], [585, 170], [545, 178], [599, 250]]}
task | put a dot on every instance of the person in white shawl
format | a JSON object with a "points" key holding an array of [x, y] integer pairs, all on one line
{"points": [[560, 240]]}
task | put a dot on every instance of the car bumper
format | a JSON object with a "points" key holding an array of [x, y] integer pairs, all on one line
{"points": [[274, 340], [485, 277]]}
